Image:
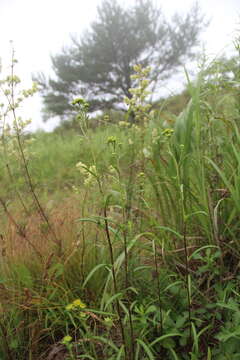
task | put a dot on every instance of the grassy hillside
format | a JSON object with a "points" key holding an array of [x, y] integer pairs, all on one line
{"points": [[122, 241]]}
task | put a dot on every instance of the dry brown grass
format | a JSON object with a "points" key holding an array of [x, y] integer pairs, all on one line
{"points": [[34, 234]]}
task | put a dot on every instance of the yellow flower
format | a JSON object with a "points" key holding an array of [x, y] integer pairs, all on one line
{"points": [[93, 169], [67, 339], [111, 140], [78, 303], [82, 168], [123, 123], [167, 132], [69, 307], [89, 180], [111, 169]]}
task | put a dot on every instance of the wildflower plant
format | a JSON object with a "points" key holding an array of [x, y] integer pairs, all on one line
{"points": [[15, 148], [12, 126], [137, 102], [154, 249], [78, 308], [90, 173], [67, 341], [81, 106], [75, 305]]}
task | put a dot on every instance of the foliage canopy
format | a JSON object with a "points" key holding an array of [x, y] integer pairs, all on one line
{"points": [[99, 65]]}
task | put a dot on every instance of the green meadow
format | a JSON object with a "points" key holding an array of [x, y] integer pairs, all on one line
{"points": [[120, 236]]}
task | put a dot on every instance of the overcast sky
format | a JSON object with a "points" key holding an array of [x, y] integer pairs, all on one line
{"points": [[39, 28]]}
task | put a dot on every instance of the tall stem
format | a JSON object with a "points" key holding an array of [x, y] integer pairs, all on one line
{"points": [[114, 279], [24, 161]]}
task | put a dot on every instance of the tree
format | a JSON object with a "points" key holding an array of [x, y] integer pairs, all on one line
{"points": [[99, 65]]}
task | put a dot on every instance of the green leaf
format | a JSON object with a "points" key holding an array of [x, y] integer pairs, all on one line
{"points": [[92, 272], [168, 343], [112, 299], [163, 337], [146, 349]]}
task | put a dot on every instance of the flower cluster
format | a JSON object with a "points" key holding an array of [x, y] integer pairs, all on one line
{"points": [[139, 93], [82, 168], [75, 305], [14, 96], [147, 152], [112, 170], [13, 145], [111, 140], [13, 79], [66, 340], [90, 173], [30, 92], [124, 124], [81, 104], [167, 132], [106, 118]]}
